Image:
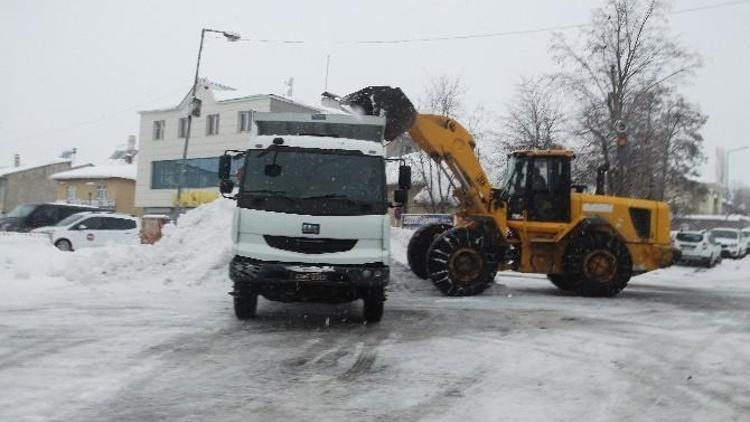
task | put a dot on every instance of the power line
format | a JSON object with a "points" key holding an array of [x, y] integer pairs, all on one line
{"points": [[97, 119], [476, 36]]}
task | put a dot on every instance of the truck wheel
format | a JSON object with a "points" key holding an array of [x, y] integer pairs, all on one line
{"points": [[64, 245], [600, 263], [245, 302], [419, 244], [561, 281], [458, 265], [374, 303]]}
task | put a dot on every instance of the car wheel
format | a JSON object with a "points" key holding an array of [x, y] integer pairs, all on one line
{"points": [[64, 245]]}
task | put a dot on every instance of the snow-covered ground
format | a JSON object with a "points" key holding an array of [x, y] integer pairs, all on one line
{"points": [[142, 333]]}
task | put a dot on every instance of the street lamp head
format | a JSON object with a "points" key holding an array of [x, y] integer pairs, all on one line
{"points": [[231, 36]]}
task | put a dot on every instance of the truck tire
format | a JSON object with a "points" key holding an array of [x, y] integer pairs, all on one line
{"points": [[374, 303], [419, 244], [561, 281], [245, 302], [599, 263], [458, 265]]}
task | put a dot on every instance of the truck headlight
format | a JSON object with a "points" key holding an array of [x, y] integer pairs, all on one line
{"points": [[366, 274]]}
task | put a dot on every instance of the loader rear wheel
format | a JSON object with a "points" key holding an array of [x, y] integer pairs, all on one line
{"points": [[459, 265], [561, 281], [599, 263], [419, 245]]}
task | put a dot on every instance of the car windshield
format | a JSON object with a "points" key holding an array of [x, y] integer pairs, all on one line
{"points": [[69, 220], [690, 237], [22, 211], [726, 234], [314, 182]]}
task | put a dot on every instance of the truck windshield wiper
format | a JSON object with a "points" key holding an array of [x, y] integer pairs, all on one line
{"points": [[269, 192], [344, 198]]}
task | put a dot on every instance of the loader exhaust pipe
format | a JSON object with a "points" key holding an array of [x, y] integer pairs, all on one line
{"points": [[601, 174], [385, 101]]}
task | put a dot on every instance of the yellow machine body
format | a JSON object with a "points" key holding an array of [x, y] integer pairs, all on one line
{"points": [[643, 225]]}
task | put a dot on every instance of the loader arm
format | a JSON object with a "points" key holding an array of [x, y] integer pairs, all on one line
{"points": [[445, 140]]}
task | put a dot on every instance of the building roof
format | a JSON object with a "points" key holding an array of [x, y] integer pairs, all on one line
{"points": [[122, 171], [224, 94], [5, 171]]}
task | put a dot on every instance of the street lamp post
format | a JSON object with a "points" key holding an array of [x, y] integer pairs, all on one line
{"points": [[194, 110]]}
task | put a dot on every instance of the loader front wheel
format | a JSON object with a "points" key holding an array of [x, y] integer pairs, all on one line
{"points": [[599, 263], [561, 281], [419, 245], [459, 265]]}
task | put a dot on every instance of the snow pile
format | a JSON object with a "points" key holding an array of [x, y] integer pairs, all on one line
{"points": [[399, 242], [196, 251], [23, 256]]}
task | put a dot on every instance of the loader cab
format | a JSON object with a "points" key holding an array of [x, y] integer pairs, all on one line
{"points": [[537, 185]]}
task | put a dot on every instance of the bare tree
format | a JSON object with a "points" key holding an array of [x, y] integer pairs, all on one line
{"points": [[623, 62], [443, 95], [534, 119]]}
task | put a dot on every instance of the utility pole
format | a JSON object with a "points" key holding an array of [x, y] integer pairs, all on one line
{"points": [[194, 110]]}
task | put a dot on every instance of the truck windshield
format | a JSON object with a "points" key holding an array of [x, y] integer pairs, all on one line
{"points": [[313, 182]]}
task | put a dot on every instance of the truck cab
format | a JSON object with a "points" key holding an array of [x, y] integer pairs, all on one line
{"points": [[311, 223]]}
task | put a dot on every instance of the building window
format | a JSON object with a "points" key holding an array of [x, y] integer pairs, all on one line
{"points": [[182, 127], [199, 173], [244, 119], [158, 129], [212, 124], [72, 193], [101, 192]]}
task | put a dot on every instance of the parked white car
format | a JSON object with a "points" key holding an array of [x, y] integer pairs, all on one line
{"points": [[731, 241], [698, 247], [91, 229], [746, 238]]}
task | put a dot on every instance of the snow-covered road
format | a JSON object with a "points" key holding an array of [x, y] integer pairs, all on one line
{"points": [[674, 346]]}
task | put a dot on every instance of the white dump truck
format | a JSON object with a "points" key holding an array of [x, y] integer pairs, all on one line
{"points": [[311, 223]]}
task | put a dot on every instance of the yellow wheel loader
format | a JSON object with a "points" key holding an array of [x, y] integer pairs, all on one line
{"points": [[536, 221]]}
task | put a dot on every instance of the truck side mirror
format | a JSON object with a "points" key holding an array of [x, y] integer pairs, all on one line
{"points": [[225, 166], [400, 196], [404, 177], [226, 186]]}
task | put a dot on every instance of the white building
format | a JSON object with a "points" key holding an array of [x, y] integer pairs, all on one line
{"points": [[224, 123]]}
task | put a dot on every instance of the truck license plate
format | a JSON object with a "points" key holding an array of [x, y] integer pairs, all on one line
{"points": [[309, 276]]}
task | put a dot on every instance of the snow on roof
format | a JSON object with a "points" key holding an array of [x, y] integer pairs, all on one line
{"points": [[10, 170], [225, 94], [124, 171]]}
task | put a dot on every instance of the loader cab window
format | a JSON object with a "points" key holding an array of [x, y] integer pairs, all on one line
{"points": [[549, 189], [515, 185], [538, 187]]}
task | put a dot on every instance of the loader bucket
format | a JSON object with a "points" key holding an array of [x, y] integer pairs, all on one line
{"points": [[391, 102]]}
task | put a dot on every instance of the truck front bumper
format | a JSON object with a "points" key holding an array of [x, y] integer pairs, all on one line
{"points": [[290, 282]]}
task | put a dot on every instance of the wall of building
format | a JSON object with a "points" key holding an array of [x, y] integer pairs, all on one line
{"points": [[30, 186], [122, 191]]}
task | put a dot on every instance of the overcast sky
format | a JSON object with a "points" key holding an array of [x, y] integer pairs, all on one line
{"points": [[76, 72]]}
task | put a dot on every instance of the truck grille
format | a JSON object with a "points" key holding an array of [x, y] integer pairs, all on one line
{"points": [[309, 245]]}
